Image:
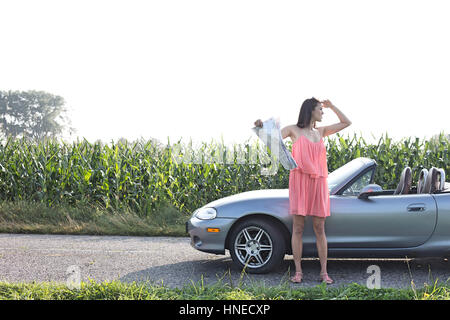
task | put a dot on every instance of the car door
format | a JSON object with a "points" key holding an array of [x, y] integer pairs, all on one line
{"points": [[384, 221]]}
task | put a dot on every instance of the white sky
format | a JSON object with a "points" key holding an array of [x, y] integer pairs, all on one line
{"points": [[203, 69]]}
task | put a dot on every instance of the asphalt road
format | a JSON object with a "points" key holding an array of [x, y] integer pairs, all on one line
{"points": [[174, 263]]}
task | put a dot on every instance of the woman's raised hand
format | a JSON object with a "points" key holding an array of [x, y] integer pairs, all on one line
{"points": [[327, 104]]}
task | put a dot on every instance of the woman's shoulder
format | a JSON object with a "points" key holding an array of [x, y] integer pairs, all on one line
{"points": [[320, 130], [288, 131]]}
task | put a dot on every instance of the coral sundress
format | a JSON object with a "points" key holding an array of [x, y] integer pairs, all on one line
{"points": [[308, 185]]}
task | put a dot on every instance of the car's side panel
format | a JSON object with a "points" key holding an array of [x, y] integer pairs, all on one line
{"points": [[439, 242], [385, 221]]}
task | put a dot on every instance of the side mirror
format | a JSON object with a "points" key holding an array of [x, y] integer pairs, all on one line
{"points": [[369, 190]]}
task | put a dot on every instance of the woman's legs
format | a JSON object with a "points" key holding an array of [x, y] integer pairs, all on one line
{"points": [[321, 242], [298, 224]]}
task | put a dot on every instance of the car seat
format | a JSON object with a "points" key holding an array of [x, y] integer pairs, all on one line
{"points": [[442, 184], [432, 183], [421, 182], [404, 186]]}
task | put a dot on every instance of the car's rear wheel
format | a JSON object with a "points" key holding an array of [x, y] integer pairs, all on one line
{"points": [[256, 245]]}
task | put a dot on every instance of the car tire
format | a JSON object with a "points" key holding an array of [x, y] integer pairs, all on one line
{"points": [[256, 245]]}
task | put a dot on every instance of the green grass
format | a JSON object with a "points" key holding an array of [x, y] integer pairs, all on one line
{"points": [[116, 290], [38, 218]]}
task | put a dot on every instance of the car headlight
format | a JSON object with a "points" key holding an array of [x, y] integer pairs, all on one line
{"points": [[205, 213]]}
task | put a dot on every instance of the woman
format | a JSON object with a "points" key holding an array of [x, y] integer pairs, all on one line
{"points": [[308, 187]]}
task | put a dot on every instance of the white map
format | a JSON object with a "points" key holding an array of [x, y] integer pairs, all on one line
{"points": [[270, 134]]}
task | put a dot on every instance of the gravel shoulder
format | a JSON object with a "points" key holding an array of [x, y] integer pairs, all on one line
{"points": [[173, 262]]}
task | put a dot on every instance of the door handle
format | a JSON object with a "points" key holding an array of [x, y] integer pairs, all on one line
{"points": [[416, 207]]}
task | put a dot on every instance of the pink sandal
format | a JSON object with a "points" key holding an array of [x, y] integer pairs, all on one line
{"points": [[325, 278], [297, 278]]}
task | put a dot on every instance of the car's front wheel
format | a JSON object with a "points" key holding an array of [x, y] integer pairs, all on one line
{"points": [[256, 245]]}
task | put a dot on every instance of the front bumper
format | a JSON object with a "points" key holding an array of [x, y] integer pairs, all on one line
{"points": [[211, 242]]}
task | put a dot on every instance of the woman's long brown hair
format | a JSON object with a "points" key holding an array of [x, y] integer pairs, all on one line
{"points": [[304, 118]]}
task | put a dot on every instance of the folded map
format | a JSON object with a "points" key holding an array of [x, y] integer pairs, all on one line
{"points": [[270, 134]]}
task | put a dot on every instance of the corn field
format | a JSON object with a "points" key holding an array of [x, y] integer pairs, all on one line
{"points": [[144, 176]]}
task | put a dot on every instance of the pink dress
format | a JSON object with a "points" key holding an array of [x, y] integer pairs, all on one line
{"points": [[308, 185]]}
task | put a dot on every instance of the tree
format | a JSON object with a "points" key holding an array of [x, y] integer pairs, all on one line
{"points": [[33, 114]]}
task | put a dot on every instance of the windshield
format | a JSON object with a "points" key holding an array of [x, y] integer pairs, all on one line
{"points": [[340, 174]]}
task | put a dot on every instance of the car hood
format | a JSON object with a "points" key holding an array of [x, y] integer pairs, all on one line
{"points": [[250, 195]]}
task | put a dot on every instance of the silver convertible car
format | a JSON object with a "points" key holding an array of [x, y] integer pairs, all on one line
{"points": [[365, 221]]}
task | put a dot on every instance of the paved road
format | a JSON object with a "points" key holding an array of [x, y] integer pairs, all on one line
{"points": [[174, 263]]}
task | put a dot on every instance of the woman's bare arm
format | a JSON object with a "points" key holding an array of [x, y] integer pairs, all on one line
{"points": [[344, 121], [286, 132]]}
